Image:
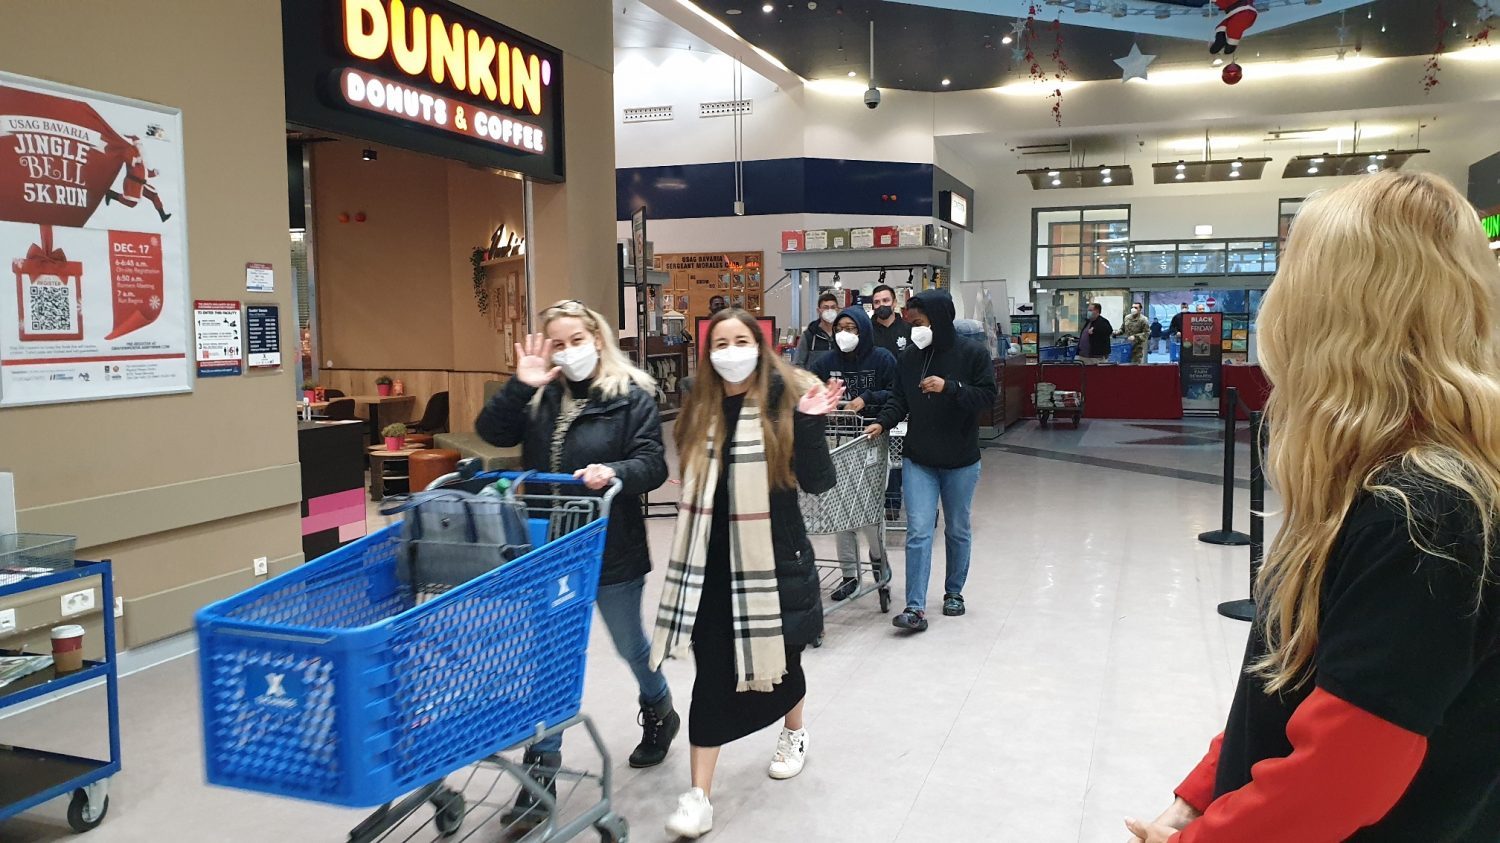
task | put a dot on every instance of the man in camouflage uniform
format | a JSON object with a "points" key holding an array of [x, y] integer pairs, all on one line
{"points": [[1137, 329]]}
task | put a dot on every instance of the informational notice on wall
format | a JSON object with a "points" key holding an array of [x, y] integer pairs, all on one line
{"points": [[91, 225], [260, 278], [1201, 361], [262, 336], [216, 326]]}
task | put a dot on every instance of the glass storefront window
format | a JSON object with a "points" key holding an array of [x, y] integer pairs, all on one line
{"points": [[1081, 242]]}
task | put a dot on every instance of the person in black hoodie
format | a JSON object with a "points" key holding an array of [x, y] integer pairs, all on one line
{"points": [[869, 375], [577, 406], [942, 382], [818, 337]]}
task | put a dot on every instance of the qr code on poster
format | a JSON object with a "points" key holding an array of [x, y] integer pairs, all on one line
{"points": [[50, 312]]}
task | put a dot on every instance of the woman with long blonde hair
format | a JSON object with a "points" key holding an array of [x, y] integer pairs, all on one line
{"points": [[577, 406], [1369, 708], [741, 586]]}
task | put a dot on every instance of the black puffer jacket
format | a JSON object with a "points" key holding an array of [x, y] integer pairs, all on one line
{"points": [[796, 576], [623, 433]]}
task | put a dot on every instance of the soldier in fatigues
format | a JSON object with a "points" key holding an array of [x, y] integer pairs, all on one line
{"points": [[1136, 329]]}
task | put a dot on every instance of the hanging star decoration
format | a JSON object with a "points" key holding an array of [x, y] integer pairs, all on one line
{"points": [[1135, 64], [1486, 10], [1018, 27]]}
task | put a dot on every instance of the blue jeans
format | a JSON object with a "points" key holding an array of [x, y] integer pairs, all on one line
{"points": [[923, 488], [620, 607]]}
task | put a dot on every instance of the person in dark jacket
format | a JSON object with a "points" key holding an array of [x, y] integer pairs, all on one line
{"points": [[1156, 332], [942, 383], [818, 337], [892, 333], [577, 406], [869, 375], [1174, 330], [1094, 337], [750, 435]]}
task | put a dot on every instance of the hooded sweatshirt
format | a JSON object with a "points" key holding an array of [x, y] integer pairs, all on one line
{"points": [[868, 372], [942, 427], [814, 342]]}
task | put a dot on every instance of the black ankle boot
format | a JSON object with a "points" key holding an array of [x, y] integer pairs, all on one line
{"points": [[528, 812], [659, 725]]}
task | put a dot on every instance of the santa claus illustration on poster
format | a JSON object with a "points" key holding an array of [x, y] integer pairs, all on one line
{"points": [[90, 221]]}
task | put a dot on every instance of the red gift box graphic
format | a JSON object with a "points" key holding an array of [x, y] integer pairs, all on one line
{"points": [[49, 293]]}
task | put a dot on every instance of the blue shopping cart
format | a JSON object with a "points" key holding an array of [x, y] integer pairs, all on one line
{"points": [[350, 681]]}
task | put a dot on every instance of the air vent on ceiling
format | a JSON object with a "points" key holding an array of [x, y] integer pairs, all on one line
{"points": [[727, 108], [649, 114]]}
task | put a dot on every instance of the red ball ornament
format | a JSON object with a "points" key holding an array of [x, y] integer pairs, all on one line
{"points": [[360, 217], [344, 216], [1233, 73]]}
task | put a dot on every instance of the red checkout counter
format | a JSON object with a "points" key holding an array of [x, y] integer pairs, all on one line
{"points": [[1148, 391]]}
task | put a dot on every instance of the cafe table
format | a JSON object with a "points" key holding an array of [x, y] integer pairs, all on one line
{"points": [[381, 410], [378, 476]]}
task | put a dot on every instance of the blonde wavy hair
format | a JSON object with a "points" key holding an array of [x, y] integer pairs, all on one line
{"points": [[616, 373], [1381, 338], [703, 413]]}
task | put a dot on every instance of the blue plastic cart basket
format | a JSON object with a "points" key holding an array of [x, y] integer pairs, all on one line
{"points": [[331, 683]]}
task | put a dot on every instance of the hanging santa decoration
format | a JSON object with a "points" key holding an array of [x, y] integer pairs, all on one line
{"points": [[1239, 16]]}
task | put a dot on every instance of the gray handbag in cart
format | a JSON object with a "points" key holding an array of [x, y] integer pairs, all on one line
{"points": [[450, 536]]}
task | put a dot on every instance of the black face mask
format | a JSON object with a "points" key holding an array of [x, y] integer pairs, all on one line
{"points": [[883, 312]]}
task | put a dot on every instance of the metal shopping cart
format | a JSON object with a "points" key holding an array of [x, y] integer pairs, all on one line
{"points": [[856, 503], [363, 677], [895, 511]]}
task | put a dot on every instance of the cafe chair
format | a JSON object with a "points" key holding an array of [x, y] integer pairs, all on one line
{"points": [[340, 410], [435, 416], [330, 394]]}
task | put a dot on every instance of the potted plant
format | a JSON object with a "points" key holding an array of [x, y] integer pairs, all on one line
{"points": [[395, 436], [383, 385], [309, 390]]}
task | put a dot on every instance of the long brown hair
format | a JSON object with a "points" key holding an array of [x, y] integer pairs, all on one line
{"points": [[703, 411], [1381, 336]]}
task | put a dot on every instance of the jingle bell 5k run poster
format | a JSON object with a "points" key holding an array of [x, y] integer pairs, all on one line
{"points": [[91, 226]]}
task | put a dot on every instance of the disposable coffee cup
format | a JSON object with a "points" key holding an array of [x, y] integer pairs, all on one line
{"points": [[67, 648]]}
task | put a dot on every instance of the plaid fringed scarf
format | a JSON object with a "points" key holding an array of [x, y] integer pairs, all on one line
{"points": [[760, 653]]}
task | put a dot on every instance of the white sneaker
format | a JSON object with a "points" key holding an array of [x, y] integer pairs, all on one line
{"points": [[791, 754], [694, 816]]}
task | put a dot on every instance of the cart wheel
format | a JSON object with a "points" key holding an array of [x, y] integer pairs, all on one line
{"points": [[84, 817], [818, 642], [885, 600], [1078, 421], [613, 829], [450, 810]]}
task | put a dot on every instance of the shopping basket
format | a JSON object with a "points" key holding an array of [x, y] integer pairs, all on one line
{"points": [[855, 503], [332, 683]]}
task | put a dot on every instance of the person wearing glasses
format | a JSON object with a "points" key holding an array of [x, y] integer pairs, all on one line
{"points": [[577, 406]]}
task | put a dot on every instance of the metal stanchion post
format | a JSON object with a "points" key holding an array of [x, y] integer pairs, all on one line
{"points": [[1244, 610], [1226, 534]]}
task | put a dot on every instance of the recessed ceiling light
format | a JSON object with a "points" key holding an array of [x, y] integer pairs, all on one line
{"points": [[1006, 39], [768, 8], [1312, 171], [1317, 160], [1103, 171], [851, 74], [1380, 157], [1057, 182], [1108, 180], [1218, 62], [1235, 164], [1181, 176], [731, 11], [947, 82], [1373, 168], [1234, 174], [1181, 167], [1052, 173]]}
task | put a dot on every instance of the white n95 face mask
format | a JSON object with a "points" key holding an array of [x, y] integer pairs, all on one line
{"points": [[847, 341], [577, 362], [829, 316], [736, 363], [921, 336]]}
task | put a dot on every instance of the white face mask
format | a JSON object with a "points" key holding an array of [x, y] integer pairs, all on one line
{"points": [[577, 362], [847, 341], [921, 336], [735, 363], [830, 315]]}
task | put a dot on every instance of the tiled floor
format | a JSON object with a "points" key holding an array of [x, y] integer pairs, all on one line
{"points": [[1086, 679]]}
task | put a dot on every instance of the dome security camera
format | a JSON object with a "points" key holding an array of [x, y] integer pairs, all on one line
{"points": [[872, 98]]}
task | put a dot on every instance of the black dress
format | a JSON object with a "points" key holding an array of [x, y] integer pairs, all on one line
{"points": [[719, 713]]}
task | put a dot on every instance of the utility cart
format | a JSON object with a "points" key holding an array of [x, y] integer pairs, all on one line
{"points": [[30, 777], [1052, 402]]}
